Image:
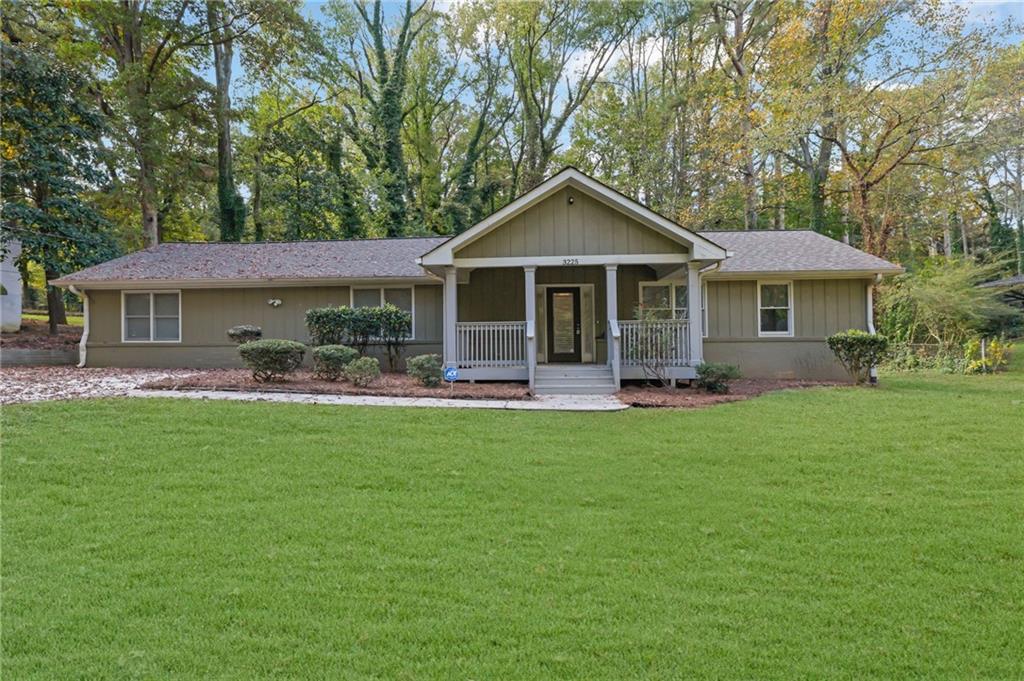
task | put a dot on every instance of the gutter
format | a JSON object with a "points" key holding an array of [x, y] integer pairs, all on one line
{"points": [[82, 344]]}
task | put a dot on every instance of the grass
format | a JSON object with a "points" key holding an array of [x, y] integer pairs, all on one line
{"points": [[73, 320], [826, 533]]}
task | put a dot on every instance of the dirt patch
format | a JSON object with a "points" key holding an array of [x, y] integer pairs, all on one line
{"points": [[390, 385], [36, 384], [692, 398], [35, 335]]}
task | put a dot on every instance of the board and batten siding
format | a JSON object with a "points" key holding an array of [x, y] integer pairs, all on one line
{"points": [[821, 307], [207, 314], [554, 227]]}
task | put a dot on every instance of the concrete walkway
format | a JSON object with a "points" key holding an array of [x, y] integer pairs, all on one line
{"points": [[541, 403]]}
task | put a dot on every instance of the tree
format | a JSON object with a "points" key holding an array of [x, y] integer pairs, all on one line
{"points": [[49, 144], [556, 53], [376, 68]]}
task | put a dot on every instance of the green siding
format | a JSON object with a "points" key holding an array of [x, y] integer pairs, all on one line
{"points": [[555, 227], [207, 314]]}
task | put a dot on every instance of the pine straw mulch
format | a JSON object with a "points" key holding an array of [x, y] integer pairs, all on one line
{"points": [[303, 381], [694, 398], [35, 335]]}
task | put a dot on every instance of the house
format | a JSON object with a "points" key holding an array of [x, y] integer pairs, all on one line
{"points": [[546, 290], [10, 287]]}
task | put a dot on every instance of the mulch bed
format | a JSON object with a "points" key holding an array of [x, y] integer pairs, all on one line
{"points": [[35, 335], [390, 385], [692, 398]]}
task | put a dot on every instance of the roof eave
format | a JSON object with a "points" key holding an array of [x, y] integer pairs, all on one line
{"points": [[805, 274], [117, 284]]}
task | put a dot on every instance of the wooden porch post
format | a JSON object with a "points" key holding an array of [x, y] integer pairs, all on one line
{"points": [[529, 275], [693, 294], [611, 296], [451, 358]]}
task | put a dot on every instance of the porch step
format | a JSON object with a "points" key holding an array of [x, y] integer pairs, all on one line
{"points": [[574, 379]]}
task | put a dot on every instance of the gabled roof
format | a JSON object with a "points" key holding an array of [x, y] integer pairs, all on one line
{"points": [[703, 247], [264, 262], [794, 252]]}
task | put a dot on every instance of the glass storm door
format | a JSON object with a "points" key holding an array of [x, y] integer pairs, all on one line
{"points": [[564, 325]]}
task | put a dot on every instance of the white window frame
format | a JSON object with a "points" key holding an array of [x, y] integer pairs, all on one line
{"points": [[672, 286], [152, 316], [790, 318], [380, 302]]}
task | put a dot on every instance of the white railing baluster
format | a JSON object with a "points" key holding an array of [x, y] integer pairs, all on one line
{"points": [[641, 341], [491, 344]]}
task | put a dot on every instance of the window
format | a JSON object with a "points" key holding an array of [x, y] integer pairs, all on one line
{"points": [[665, 300], [151, 317], [402, 297], [775, 308]]}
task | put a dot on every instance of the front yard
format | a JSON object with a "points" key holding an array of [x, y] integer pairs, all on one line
{"points": [[827, 532]]}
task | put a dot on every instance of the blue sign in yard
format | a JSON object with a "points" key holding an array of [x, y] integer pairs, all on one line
{"points": [[451, 374]]}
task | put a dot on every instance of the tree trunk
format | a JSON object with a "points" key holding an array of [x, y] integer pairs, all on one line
{"points": [[223, 53], [148, 203], [859, 197], [54, 303], [780, 194], [257, 197]]}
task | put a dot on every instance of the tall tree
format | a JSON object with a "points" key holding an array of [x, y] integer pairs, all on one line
{"points": [[49, 143], [557, 52], [376, 67]]}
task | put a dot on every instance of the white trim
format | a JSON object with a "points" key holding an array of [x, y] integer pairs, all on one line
{"points": [[575, 260], [380, 302], [152, 316], [719, 275], [703, 248], [672, 284], [176, 284], [790, 318]]}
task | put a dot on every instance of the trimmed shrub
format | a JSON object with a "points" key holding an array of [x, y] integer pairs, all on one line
{"points": [[272, 359], [328, 325], [426, 369], [363, 371], [245, 333], [329, 361], [858, 351], [714, 377], [395, 326]]}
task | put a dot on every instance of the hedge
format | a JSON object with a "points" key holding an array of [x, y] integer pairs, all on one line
{"points": [[858, 351], [272, 359]]}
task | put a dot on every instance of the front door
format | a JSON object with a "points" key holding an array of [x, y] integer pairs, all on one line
{"points": [[564, 324]]}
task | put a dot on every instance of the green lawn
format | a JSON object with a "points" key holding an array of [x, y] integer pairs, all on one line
{"points": [[73, 320], [826, 533]]}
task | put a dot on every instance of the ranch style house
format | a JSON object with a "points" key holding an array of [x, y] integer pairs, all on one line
{"points": [[548, 290]]}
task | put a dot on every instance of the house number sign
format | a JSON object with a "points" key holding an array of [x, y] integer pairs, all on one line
{"points": [[570, 261]]}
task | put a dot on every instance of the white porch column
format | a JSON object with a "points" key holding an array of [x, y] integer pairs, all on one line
{"points": [[611, 296], [530, 277], [450, 317], [693, 294]]}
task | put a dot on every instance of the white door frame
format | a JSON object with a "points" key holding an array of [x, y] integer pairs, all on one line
{"points": [[586, 314]]}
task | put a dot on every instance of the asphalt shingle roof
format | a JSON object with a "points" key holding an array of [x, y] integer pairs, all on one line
{"points": [[355, 259], [758, 251], [792, 251]]}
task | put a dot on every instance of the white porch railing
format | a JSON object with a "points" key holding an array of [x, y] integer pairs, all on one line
{"points": [[661, 342], [482, 345]]}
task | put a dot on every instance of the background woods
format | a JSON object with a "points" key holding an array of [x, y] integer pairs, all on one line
{"points": [[895, 124]]}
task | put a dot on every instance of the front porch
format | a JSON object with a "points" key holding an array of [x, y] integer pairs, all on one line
{"points": [[529, 322]]}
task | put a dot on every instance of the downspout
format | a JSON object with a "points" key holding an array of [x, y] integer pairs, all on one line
{"points": [[85, 327], [873, 374]]}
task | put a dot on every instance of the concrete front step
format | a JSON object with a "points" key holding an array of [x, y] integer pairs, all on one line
{"points": [[574, 379], [575, 390]]}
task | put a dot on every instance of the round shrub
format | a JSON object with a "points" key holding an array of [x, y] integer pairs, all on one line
{"points": [[715, 377], [363, 371], [245, 333], [272, 359], [858, 351], [329, 361], [425, 368]]}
